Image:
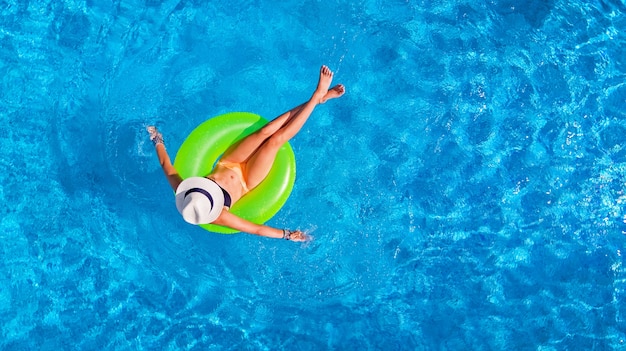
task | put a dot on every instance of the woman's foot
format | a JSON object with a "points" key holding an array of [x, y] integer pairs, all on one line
{"points": [[333, 93], [326, 77]]}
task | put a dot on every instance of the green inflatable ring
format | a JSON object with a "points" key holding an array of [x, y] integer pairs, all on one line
{"points": [[203, 147]]}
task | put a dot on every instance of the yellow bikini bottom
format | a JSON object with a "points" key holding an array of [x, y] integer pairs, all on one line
{"points": [[238, 168]]}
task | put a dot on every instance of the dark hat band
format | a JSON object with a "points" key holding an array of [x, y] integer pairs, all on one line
{"points": [[201, 191]]}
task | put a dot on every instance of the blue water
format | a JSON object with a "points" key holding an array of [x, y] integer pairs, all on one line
{"points": [[467, 193]]}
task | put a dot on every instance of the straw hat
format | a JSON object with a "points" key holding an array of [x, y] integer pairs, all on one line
{"points": [[199, 200]]}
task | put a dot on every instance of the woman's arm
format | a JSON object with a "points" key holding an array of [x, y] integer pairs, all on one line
{"points": [[164, 159], [230, 220]]}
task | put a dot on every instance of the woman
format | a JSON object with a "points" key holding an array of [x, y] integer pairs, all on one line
{"points": [[241, 168]]}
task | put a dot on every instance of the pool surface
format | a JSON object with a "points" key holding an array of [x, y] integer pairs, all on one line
{"points": [[466, 193]]}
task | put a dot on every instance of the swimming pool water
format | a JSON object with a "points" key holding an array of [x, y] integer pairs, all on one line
{"points": [[466, 193]]}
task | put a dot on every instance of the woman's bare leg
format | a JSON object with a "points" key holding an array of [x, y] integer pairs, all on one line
{"points": [[262, 159], [244, 149]]}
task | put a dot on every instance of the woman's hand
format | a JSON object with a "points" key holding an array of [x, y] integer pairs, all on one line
{"points": [[164, 159], [297, 235], [230, 220]]}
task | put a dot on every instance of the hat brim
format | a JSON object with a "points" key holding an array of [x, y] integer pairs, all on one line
{"points": [[203, 183]]}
